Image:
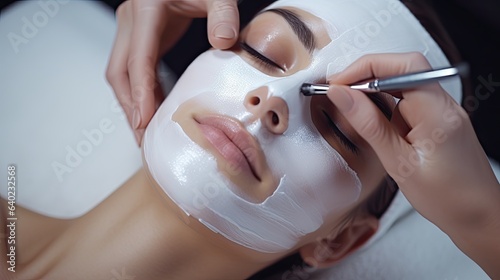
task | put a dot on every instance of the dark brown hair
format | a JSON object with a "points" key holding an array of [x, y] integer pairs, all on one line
{"points": [[424, 11]]}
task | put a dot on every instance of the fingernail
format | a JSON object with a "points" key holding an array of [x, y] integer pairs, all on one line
{"points": [[223, 31], [136, 119], [341, 98]]}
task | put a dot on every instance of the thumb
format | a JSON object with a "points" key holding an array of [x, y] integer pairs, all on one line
{"points": [[369, 122], [223, 23]]}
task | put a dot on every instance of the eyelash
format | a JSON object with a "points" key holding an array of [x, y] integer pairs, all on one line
{"points": [[260, 58], [343, 139]]}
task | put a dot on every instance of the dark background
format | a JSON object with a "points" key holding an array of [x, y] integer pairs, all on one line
{"points": [[474, 26]]}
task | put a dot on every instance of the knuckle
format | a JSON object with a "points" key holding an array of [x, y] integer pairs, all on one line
{"points": [[140, 61], [121, 11], [139, 93], [418, 61], [371, 130], [144, 72], [143, 64], [224, 8], [417, 56], [367, 57], [111, 75], [365, 60], [113, 78], [132, 62]]}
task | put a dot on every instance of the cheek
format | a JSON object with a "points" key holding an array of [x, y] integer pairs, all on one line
{"points": [[324, 175]]}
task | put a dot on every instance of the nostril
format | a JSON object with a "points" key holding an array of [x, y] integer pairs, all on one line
{"points": [[274, 118], [255, 100], [273, 113]]}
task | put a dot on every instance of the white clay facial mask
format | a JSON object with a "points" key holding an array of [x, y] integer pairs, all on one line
{"points": [[308, 178], [261, 186]]}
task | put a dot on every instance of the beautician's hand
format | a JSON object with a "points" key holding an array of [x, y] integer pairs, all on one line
{"points": [[147, 29], [430, 149]]}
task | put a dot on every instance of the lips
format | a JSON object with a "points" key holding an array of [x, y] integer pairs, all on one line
{"points": [[234, 144]]}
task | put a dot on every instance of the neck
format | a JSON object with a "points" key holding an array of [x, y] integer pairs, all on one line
{"points": [[134, 232]]}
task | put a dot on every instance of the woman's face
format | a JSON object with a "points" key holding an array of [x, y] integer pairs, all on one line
{"points": [[239, 148]]}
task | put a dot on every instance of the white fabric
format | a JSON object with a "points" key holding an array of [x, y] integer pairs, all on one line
{"points": [[41, 89], [61, 124]]}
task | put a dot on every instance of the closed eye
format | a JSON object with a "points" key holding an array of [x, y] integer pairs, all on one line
{"points": [[341, 136], [266, 62]]}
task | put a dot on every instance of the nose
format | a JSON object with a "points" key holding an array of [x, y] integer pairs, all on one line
{"points": [[272, 111]]}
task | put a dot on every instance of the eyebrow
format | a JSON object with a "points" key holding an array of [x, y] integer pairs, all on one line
{"points": [[298, 26]]}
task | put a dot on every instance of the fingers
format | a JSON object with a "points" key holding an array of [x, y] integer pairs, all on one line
{"points": [[143, 57], [371, 125], [419, 114], [399, 122], [223, 23], [143, 37], [117, 72], [431, 96], [380, 66]]}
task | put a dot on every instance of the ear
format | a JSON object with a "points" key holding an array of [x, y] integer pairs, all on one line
{"points": [[330, 250]]}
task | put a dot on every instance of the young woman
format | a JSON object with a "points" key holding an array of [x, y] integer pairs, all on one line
{"points": [[240, 169]]}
